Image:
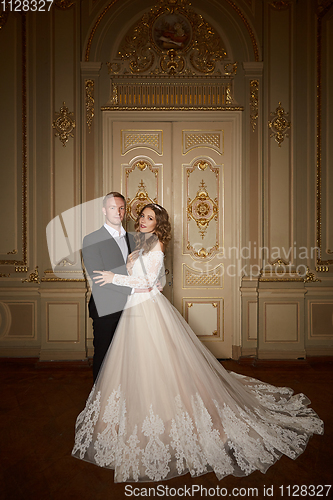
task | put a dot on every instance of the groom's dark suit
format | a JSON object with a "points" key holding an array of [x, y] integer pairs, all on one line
{"points": [[101, 253]]}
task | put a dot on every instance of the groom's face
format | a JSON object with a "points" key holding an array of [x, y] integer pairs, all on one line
{"points": [[114, 212]]}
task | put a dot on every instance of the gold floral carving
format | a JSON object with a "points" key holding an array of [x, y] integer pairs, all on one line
{"points": [[90, 102], [310, 277], [189, 34], [3, 275], [33, 277], [279, 124], [202, 209], [141, 199], [254, 103], [12, 252], [64, 124]]}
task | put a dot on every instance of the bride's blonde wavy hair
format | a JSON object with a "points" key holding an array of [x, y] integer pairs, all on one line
{"points": [[162, 229]]}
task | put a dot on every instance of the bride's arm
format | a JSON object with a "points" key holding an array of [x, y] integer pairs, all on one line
{"points": [[148, 280]]}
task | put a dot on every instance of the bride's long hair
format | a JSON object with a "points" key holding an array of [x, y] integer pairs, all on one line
{"points": [[162, 230]]}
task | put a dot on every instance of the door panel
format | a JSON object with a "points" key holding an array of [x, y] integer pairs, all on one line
{"points": [[186, 167]]}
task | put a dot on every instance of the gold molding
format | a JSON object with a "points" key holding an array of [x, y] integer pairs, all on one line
{"points": [[23, 262], [310, 277], [172, 108], [254, 103], [202, 209], [33, 277], [193, 278], [322, 10], [279, 124], [212, 206], [238, 11], [216, 303], [90, 102], [64, 124]]}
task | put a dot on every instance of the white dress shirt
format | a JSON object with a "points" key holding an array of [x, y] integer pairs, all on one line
{"points": [[120, 239]]}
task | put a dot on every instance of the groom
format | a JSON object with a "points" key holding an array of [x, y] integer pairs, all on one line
{"points": [[107, 249]]}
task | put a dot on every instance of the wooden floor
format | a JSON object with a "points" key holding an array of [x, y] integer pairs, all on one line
{"points": [[39, 403]]}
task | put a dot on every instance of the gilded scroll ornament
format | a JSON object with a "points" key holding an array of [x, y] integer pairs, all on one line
{"points": [[279, 124], [33, 277], [90, 102], [64, 124], [310, 277], [12, 252], [136, 204], [202, 209], [172, 39], [254, 103]]}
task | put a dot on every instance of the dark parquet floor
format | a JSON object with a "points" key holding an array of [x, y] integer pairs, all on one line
{"points": [[39, 403]]}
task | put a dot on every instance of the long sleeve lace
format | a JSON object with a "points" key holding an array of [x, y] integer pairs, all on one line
{"points": [[148, 277]]}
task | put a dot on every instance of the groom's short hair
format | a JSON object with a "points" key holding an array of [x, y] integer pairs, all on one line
{"points": [[113, 194]]}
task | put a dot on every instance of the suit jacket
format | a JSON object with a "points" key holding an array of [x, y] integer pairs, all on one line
{"points": [[101, 253]]}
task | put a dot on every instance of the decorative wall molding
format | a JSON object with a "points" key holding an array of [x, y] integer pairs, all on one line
{"points": [[254, 103], [64, 124], [323, 8], [90, 102], [279, 124]]}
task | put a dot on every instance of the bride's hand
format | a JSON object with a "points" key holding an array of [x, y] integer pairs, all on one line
{"points": [[130, 260], [104, 278]]}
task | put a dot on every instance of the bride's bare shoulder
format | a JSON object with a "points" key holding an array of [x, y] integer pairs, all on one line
{"points": [[159, 247]]}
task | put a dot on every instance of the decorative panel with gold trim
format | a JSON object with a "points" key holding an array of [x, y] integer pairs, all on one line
{"points": [[212, 139], [205, 317], [142, 180], [203, 219], [194, 278], [150, 139]]}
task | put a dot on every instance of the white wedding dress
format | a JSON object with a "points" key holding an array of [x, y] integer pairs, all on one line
{"points": [[163, 405]]}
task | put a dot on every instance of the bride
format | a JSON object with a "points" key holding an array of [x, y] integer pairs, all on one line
{"points": [[162, 404]]}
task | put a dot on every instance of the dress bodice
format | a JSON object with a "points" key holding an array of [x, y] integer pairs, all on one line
{"points": [[145, 272]]}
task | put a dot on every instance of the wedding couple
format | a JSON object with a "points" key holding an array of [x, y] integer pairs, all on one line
{"points": [[161, 404]]}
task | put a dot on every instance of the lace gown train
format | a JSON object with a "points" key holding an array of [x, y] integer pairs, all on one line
{"points": [[163, 405]]}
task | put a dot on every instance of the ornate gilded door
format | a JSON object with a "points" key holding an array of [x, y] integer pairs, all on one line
{"points": [[187, 168]]}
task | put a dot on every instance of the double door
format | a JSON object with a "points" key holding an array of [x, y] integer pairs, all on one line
{"points": [[190, 168]]}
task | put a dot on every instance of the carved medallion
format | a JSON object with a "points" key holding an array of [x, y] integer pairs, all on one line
{"points": [[202, 209], [279, 125], [64, 124]]}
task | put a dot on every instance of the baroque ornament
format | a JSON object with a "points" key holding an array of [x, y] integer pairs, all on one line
{"points": [[172, 39], [64, 124], [279, 124], [202, 209], [141, 199], [254, 103], [90, 102]]}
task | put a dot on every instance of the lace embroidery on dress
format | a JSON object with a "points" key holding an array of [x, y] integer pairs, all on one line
{"points": [[210, 440], [153, 262], [188, 452], [109, 443], [85, 424], [131, 460], [155, 456]]}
